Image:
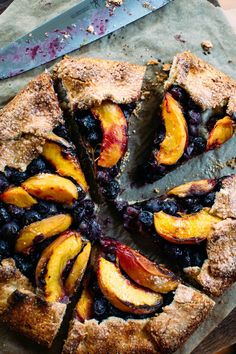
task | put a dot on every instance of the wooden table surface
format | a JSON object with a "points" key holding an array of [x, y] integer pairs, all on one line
{"points": [[224, 334]]}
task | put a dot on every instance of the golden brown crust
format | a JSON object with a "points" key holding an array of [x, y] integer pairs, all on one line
{"points": [[207, 86], [26, 120], [89, 81], [165, 331], [24, 311], [212, 284], [221, 249], [179, 320], [225, 200]]}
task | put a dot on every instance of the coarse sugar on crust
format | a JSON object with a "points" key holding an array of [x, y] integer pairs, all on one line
{"points": [[89, 81], [225, 200], [221, 249], [26, 121], [211, 284], [164, 332], [207, 86], [25, 312]]}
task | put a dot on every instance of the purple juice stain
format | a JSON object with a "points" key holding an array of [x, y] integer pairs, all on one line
{"points": [[32, 52]]}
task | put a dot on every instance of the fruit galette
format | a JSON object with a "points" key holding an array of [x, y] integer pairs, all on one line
{"points": [[198, 114], [195, 225], [58, 155]]}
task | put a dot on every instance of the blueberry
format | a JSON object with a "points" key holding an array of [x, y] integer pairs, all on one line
{"points": [[193, 130], [113, 311], [113, 172], [3, 183], [111, 257], [89, 122], [112, 190], [88, 207], [178, 93], [208, 200], [192, 204], [199, 144], [78, 215], [103, 177], [194, 117], [4, 249], [16, 212], [24, 265], [196, 208], [61, 131], [4, 216], [10, 230], [93, 138], [146, 218], [31, 216], [36, 166], [46, 208], [100, 307], [159, 138], [170, 207], [94, 231], [132, 211], [15, 176], [153, 205]]}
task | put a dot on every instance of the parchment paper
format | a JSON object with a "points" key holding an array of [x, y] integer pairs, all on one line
{"points": [[181, 25]]}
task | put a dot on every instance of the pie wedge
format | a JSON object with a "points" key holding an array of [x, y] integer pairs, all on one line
{"points": [[197, 115], [195, 225], [127, 300], [100, 95]]}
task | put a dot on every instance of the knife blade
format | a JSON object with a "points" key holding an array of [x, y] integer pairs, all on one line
{"points": [[82, 24]]}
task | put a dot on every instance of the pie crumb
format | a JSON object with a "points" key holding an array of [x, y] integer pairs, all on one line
{"points": [[207, 46], [90, 29], [166, 67], [114, 3], [152, 62]]}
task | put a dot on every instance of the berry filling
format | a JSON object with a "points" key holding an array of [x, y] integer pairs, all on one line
{"points": [[184, 131]]}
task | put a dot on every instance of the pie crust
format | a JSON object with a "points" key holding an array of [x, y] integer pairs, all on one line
{"points": [[23, 310], [25, 122], [207, 86], [89, 81], [163, 333]]}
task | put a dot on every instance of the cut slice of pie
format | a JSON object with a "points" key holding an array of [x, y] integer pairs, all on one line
{"points": [[197, 115], [127, 296], [46, 215], [101, 95], [195, 225]]}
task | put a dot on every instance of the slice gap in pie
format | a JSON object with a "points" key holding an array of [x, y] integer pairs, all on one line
{"points": [[194, 225], [126, 294], [197, 115], [100, 95]]}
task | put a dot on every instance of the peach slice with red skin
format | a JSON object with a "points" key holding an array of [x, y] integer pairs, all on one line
{"points": [[222, 131], [176, 136], [114, 128], [58, 154], [123, 294], [84, 307], [41, 230], [77, 271], [51, 187], [193, 188], [18, 196], [141, 270], [187, 228], [53, 262]]}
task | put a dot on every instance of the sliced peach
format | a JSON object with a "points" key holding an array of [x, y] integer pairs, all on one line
{"points": [[193, 188], [176, 136], [40, 230], [18, 196], [188, 228], [142, 270], [59, 140], [222, 131], [84, 307], [77, 271], [64, 162], [54, 261], [122, 293], [114, 128], [51, 187]]}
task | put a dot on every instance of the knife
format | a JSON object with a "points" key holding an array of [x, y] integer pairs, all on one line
{"points": [[82, 24]]}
